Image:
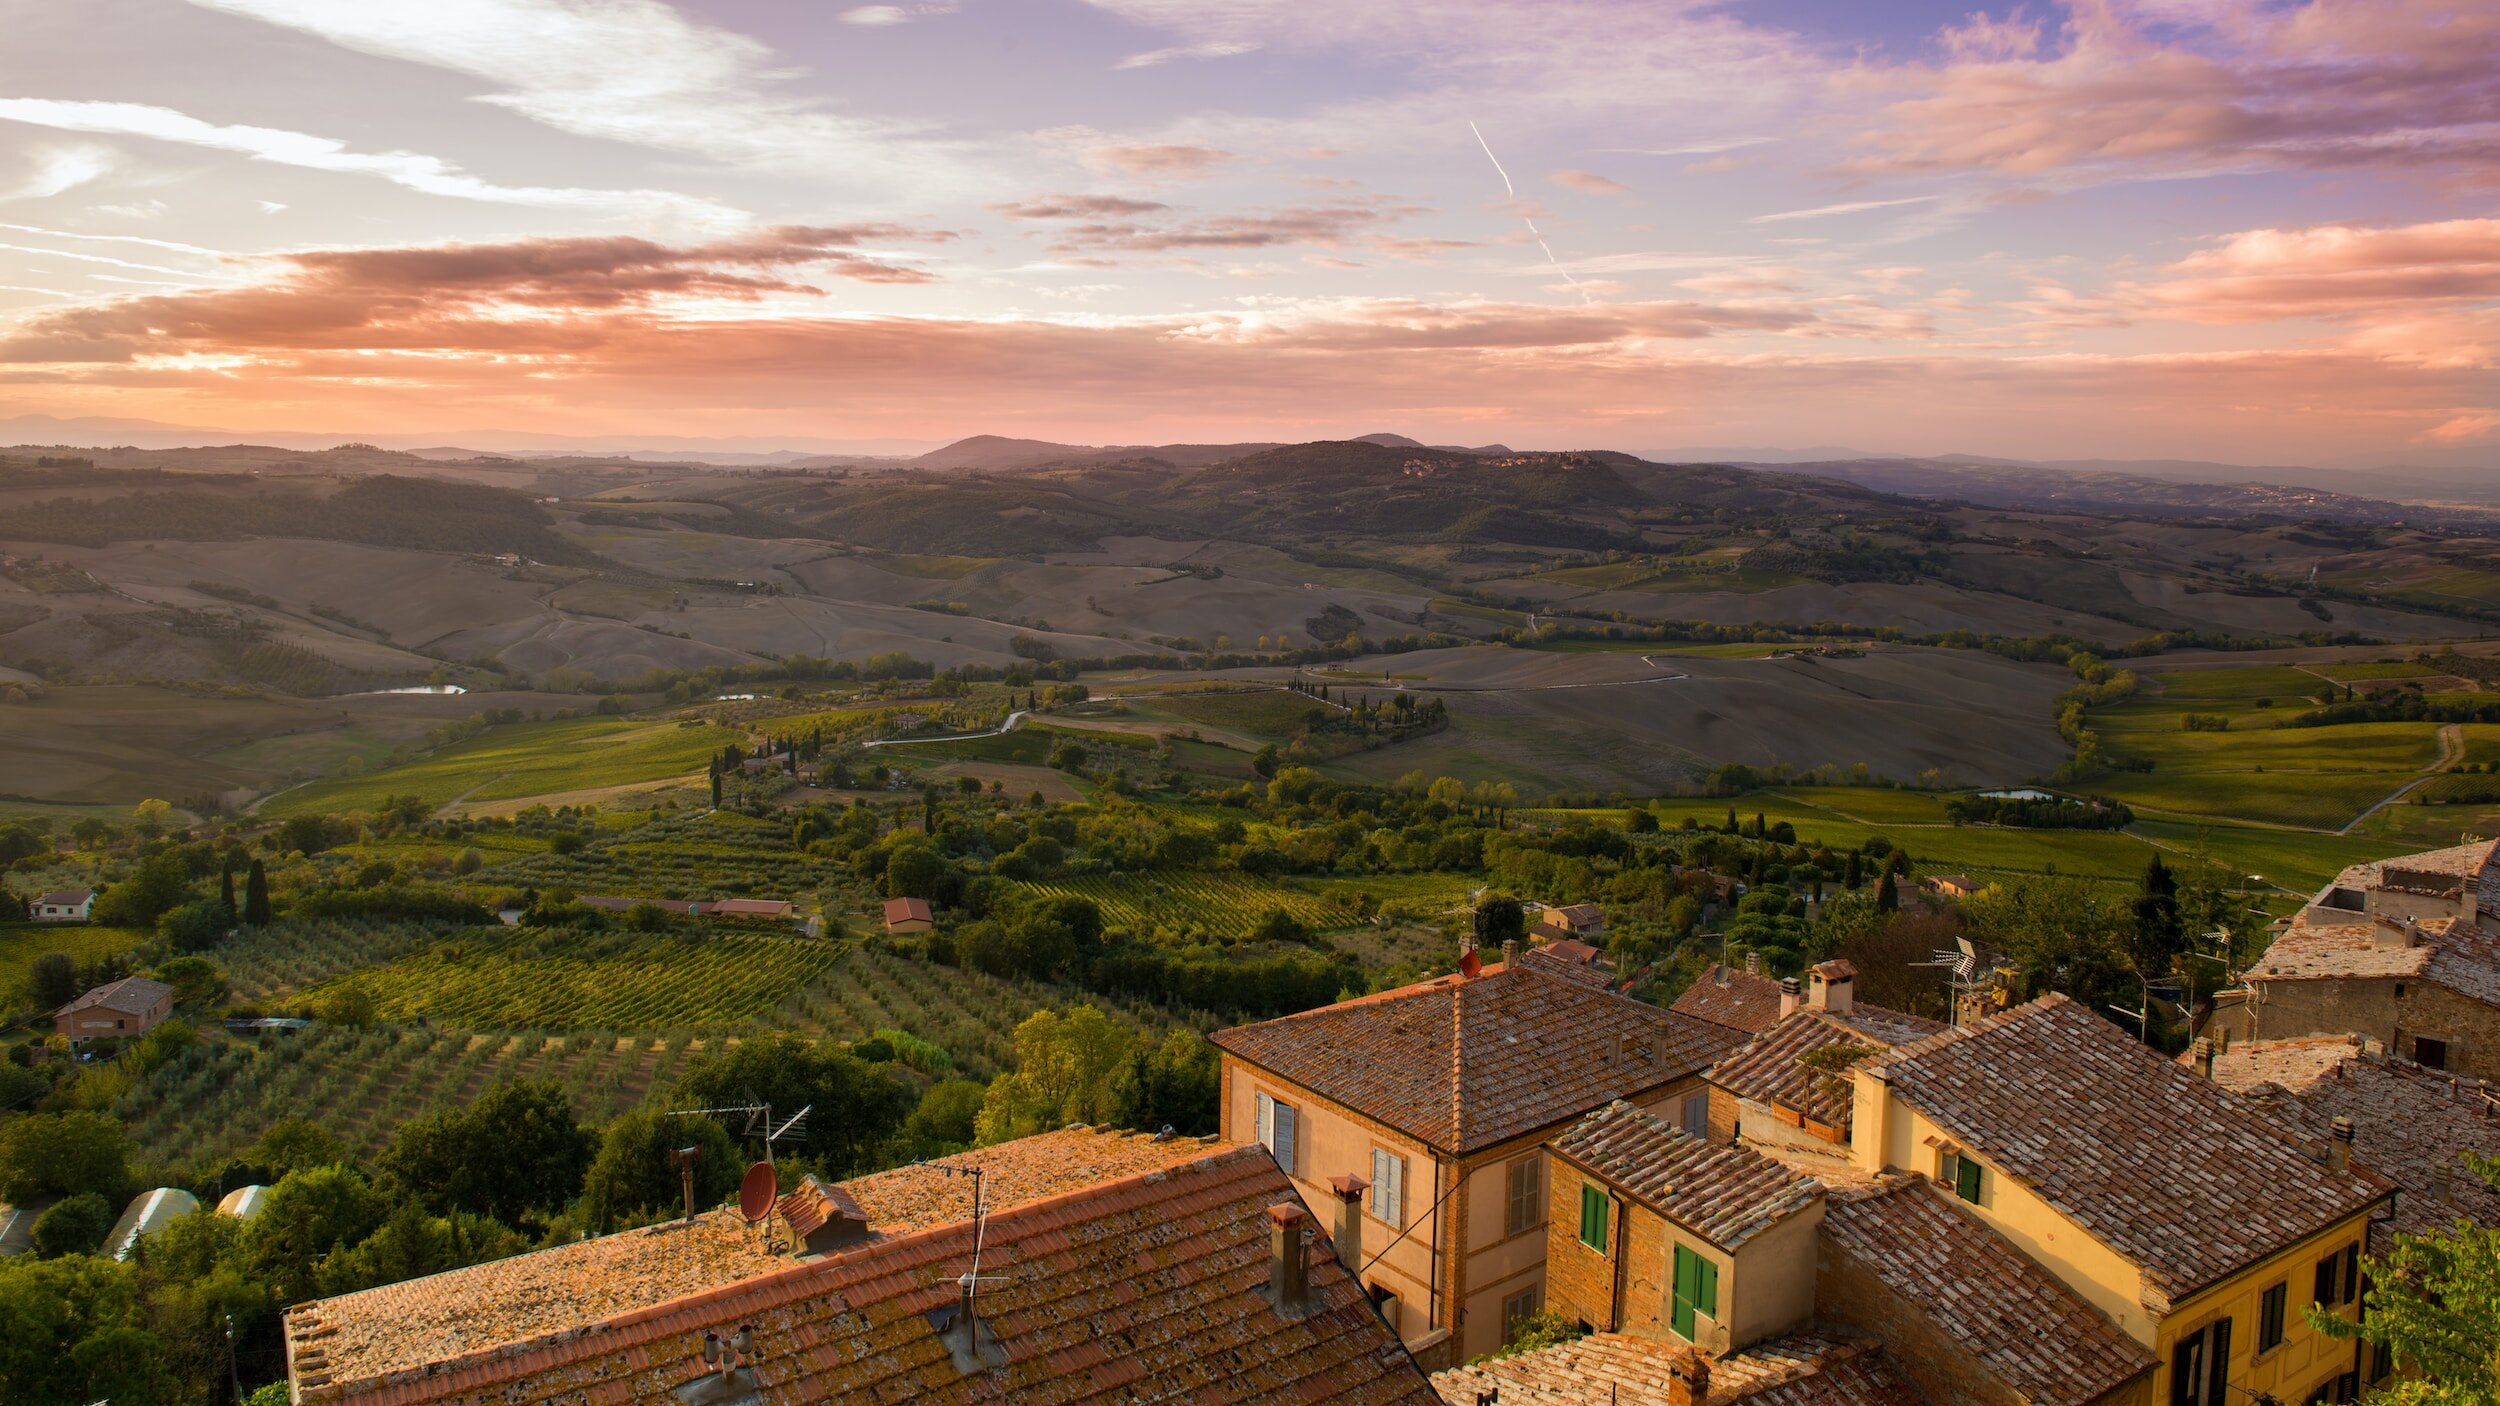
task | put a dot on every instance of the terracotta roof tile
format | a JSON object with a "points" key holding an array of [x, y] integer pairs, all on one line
{"points": [[2412, 1124], [2331, 951], [1144, 1289], [2027, 1329], [1726, 1195], [132, 995], [426, 1320], [1767, 1070], [2167, 1170], [1732, 997], [1614, 1369], [1463, 1063]]}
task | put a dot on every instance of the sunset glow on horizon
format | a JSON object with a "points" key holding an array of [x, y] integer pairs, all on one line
{"points": [[2240, 230]]}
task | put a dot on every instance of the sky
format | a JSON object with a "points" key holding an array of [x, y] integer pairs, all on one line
{"points": [[2241, 230]]}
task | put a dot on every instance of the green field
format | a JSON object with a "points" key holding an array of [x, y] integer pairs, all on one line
{"points": [[2280, 682], [519, 760], [1267, 713], [1028, 745], [1223, 904], [22, 943], [2379, 669], [567, 980]]}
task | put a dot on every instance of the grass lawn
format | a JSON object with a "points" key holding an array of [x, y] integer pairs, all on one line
{"points": [[2304, 862], [2280, 682], [520, 760], [1271, 714]]}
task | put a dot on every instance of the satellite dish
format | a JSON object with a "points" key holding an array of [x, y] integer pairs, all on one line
{"points": [[756, 1192]]}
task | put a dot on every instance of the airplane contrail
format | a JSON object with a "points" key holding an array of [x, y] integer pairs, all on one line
{"points": [[1513, 192]]}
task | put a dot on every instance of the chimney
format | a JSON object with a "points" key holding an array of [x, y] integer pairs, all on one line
{"points": [[2204, 1054], [1510, 953], [1688, 1379], [1288, 1267], [1834, 987], [1349, 1236], [1753, 964], [1788, 996], [2339, 1146]]}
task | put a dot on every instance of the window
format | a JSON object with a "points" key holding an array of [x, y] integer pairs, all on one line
{"points": [[1697, 1115], [1389, 1187], [1518, 1306], [1276, 1130], [1593, 1218], [2430, 1053], [1962, 1174], [2339, 1278], [2270, 1317], [1524, 1195], [2336, 1389], [2200, 1366], [1696, 1291]]}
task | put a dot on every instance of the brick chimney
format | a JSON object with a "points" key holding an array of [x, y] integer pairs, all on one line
{"points": [[1688, 1379], [1288, 1260], [2339, 1146], [1789, 998], [1349, 1236], [1753, 964], [1510, 954], [2203, 1051]]}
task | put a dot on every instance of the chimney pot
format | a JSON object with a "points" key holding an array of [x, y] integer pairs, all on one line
{"points": [[1789, 997], [1688, 1379], [1753, 964], [2204, 1055], [2339, 1146], [1289, 1267], [1510, 953], [1349, 1235]]}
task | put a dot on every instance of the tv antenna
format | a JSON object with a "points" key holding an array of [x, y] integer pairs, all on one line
{"points": [[759, 1119], [961, 1328], [1965, 972]]}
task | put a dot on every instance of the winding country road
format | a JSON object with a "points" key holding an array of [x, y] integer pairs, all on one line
{"points": [[2451, 752]]}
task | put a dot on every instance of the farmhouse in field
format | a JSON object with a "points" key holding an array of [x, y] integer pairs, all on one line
{"points": [[131, 1006], [63, 906], [2403, 951], [1115, 1267], [1951, 885], [1423, 1113], [908, 915]]}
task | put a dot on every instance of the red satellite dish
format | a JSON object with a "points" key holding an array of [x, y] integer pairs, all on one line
{"points": [[756, 1192]]}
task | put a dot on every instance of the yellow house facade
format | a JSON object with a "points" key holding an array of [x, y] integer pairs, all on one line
{"points": [[2200, 1231]]}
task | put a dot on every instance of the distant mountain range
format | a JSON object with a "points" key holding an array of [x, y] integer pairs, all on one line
{"points": [[2178, 485]]}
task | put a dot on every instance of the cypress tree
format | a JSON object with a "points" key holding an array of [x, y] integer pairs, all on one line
{"points": [[225, 889], [256, 896], [1887, 895]]}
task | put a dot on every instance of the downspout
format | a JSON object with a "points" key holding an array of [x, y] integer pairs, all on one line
{"points": [[1623, 1257], [1440, 1249]]}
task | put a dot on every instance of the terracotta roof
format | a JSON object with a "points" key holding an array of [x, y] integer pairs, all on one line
{"points": [[1583, 913], [1142, 1289], [2026, 1328], [902, 909], [1576, 961], [1614, 1369], [2168, 1171], [2409, 1123], [750, 907], [1733, 997], [427, 1320], [917, 1197], [1767, 1069], [1462, 1063], [2466, 960], [1726, 1195], [132, 995], [1548, 933]]}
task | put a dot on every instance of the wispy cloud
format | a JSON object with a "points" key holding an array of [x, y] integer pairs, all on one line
{"points": [[1850, 207], [1212, 49], [1692, 149], [1589, 181], [429, 174], [54, 170], [631, 71]]}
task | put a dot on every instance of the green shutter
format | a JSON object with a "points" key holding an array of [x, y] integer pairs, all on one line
{"points": [[1592, 1217], [1696, 1291], [1966, 1179]]}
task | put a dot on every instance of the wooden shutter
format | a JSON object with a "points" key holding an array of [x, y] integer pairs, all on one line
{"points": [[1526, 1198], [1389, 1187], [1966, 1179], [1267, 1122], [1697, 1115], [1283, 1145], [2218, 1365], [1593, 1218], [2324, 1294]]}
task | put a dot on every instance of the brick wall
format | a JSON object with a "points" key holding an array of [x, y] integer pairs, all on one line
{"points": [[2374, 1010], [1581, 1284], [2471, 1027]]}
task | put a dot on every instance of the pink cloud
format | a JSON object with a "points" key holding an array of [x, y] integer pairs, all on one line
{"points": [[1076, 207], [1159, 160], [1589, 181]]}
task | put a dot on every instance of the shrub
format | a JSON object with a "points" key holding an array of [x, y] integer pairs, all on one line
{"points": [[73, 1226]]}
